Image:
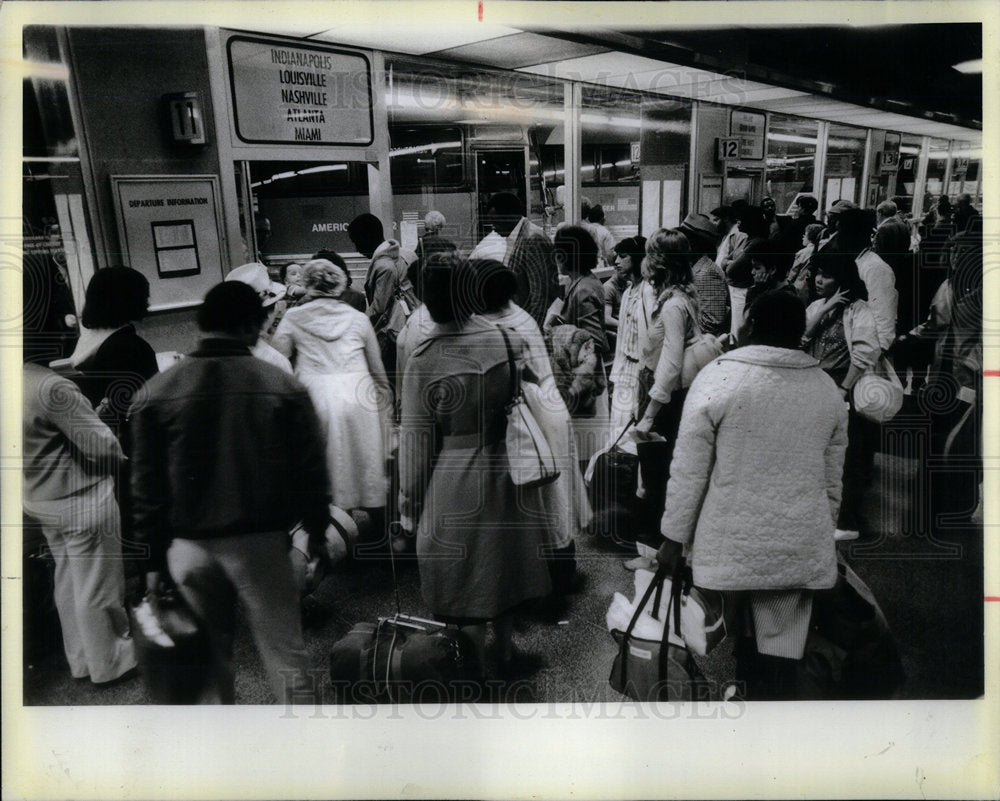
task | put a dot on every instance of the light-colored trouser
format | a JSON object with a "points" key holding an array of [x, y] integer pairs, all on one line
{"points": [[255, 569], [84, 535], [781, 619], [737, 303]]}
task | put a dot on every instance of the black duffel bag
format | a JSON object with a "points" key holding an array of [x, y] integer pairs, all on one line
{"points": [[171, 647], [612, 488], [850, 652], [403, 659]]}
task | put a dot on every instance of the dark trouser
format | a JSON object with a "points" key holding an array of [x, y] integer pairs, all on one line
{"points": [[862, 439], [654, 458], [764, 677], [562, 569]]}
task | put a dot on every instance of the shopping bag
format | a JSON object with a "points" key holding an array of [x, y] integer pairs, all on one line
{"points": [[656, 670], [530, 458]]}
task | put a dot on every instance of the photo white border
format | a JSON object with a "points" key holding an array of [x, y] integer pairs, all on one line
{"points": [[899, 749]]}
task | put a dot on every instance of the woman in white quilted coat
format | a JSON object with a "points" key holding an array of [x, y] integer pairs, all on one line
{"points": [[755, 486]]}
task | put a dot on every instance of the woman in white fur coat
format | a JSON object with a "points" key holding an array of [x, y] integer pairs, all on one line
{"points": [[755, 486]]}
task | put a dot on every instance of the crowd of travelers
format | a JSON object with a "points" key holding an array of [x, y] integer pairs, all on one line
{"points": [[390, 402]]}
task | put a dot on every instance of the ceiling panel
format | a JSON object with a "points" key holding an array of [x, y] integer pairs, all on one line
{"points": [[519, 50], [412, 35], [640, 72]]}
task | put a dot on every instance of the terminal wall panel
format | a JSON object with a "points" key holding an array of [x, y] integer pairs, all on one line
{"points": [[121, 75]]}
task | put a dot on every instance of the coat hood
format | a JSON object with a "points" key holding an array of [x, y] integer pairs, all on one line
{"points": [[323, 318], [388, 248], [768, 356]]}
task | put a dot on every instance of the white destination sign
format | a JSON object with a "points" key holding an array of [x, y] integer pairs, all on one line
{"points": [[299, 94]]}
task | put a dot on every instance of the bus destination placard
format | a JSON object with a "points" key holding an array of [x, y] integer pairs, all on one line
{"points": [[299, 94]]}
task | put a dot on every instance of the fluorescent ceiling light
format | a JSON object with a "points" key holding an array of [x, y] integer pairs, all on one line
{"points": [[431, 148], [323, 168], [969, 67], [45, 70]]}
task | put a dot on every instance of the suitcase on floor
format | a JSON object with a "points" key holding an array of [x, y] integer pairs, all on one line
{"points": [[403, 659]]}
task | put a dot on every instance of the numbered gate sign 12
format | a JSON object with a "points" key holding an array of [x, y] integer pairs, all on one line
{"points": [[727, 149]]}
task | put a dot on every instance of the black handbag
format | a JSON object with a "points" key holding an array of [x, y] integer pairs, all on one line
{"points": [[613, 485], [171, 647], [650, 670]]}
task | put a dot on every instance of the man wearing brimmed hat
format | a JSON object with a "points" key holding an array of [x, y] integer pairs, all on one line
{"points": [[829, 238], [709, 280], [256, 276]]}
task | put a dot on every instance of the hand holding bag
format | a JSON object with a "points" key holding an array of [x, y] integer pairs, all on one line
{"points": [[170, 646], [703, 612], [530, 459], [878, 394]]}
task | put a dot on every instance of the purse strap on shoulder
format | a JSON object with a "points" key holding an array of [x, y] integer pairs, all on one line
{"points": [[512, 364]]}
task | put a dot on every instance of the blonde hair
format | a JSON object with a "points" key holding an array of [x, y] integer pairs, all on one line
{"points": [[667, 267], [323, 278]]}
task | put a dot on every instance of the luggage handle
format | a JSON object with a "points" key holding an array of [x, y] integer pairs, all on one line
{"points": [[420, 623], [631, 422]]}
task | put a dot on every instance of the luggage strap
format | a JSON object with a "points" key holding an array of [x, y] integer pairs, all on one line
{"points": [[674, 604]]}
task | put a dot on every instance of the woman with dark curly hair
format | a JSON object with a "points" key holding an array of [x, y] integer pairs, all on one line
{"points": [[576, 257], [114, 361], [660, 397], [667, 268]]}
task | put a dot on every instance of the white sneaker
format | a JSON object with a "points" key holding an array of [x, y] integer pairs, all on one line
{"points": [[844, 535]]}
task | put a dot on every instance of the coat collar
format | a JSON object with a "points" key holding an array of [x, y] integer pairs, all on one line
{"points": [[768, 356], [218, 346]]}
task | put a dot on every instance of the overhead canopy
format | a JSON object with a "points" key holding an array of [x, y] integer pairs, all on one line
{"points": [[896, 77]]}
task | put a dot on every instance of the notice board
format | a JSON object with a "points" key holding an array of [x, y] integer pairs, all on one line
{"points": [[170, 228]]}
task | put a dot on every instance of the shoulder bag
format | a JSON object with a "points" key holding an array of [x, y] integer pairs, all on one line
{"points": [[702, 351], [878, 394], [530, 459]]}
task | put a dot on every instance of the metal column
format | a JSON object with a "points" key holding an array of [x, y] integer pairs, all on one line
{"points": [[572, 157]]}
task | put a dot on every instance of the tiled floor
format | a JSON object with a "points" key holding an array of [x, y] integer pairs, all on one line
{"points": [[930, 590]]}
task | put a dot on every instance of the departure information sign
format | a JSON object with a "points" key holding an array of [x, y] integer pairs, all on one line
{"points": [[299, 94]]}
